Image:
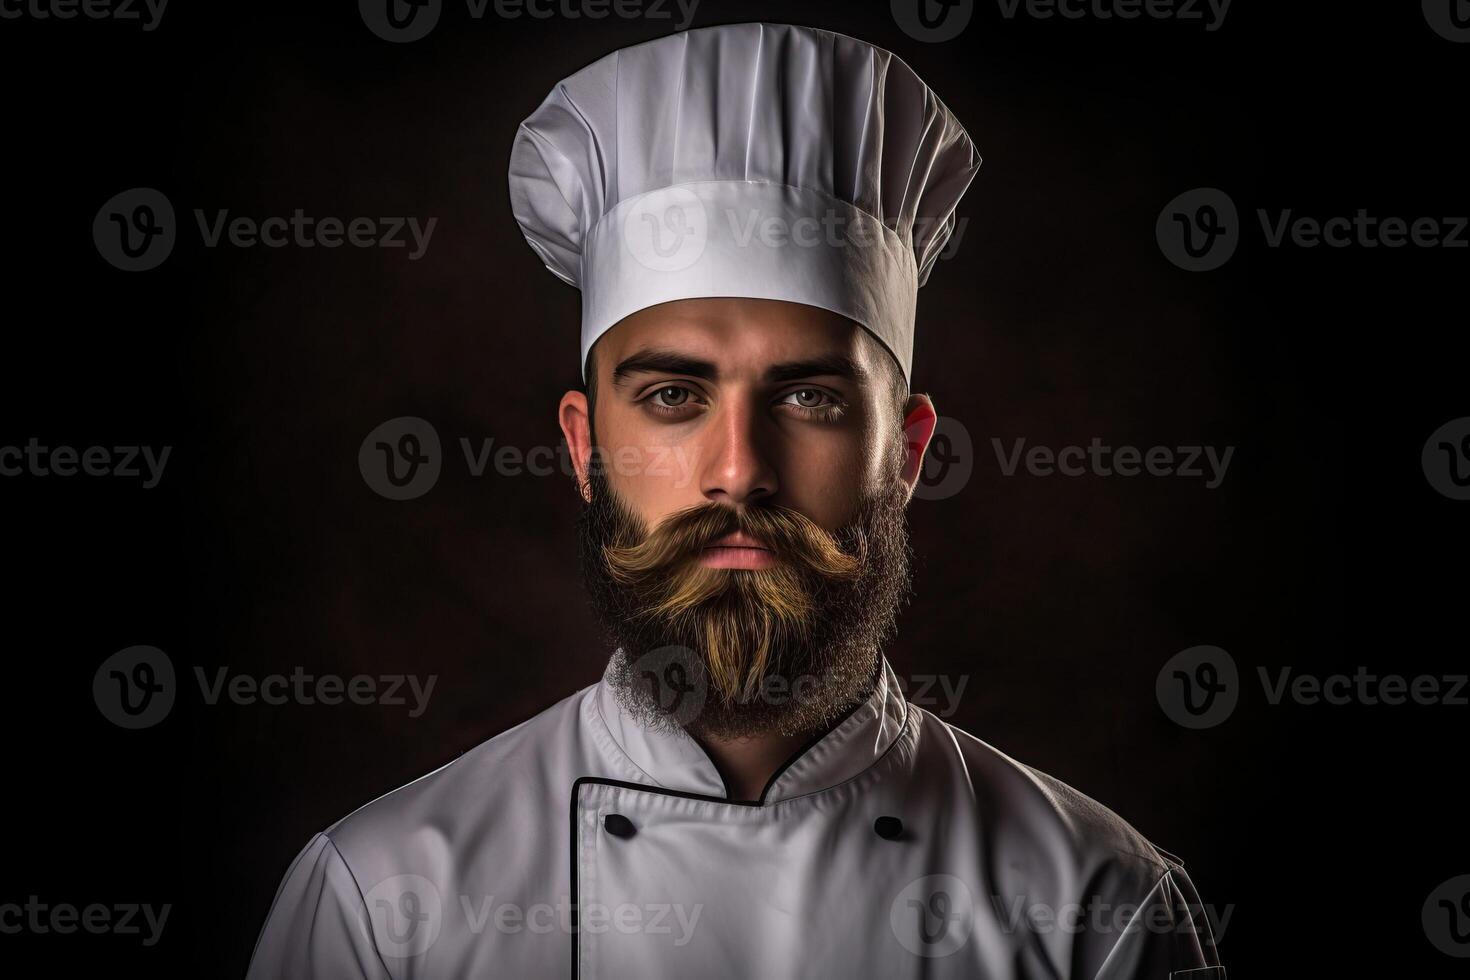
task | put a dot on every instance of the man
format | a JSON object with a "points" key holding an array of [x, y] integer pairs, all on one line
{"points": [[749, 211]]}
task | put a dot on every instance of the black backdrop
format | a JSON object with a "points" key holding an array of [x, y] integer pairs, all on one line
{"points": [[1319, 829]]}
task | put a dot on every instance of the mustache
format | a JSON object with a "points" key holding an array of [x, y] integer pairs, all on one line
{"points": [[677, 541], [741, 617]]}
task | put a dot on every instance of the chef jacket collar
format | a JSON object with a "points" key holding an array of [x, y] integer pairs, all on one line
{"points": [[675, 761]]}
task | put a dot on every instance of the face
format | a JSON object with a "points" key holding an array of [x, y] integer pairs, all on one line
{"points": [[748, 505]]}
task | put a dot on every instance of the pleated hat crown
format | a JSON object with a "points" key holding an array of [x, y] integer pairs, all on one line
{"points": [[750, 160]]}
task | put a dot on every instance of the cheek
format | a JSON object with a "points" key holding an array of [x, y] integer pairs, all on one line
{"points": [[651, 471], [827, 478], [652, 496]]}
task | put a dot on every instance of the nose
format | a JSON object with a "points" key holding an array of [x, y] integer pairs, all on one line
{"points": [[738, 469]]}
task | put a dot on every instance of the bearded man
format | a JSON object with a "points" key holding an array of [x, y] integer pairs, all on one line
{"points": [[749, 211]]}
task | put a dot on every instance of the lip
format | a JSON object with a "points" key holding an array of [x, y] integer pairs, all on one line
{"points": [[737, 550], [739, 539]]}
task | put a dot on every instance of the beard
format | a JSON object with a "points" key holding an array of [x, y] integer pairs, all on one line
{"points": [[729, 653]]}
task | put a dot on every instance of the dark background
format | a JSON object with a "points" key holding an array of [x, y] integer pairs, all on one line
{"points": [[1321, 829]]}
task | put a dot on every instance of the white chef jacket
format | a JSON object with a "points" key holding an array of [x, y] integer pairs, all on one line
{"points": [[581, 844]]}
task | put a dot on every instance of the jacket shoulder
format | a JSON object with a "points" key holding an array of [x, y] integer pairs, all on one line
{"points": [[1044, 821], [471, 790]]}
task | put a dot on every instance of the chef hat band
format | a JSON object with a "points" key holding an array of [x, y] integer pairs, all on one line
{"points": [[748, 160]]}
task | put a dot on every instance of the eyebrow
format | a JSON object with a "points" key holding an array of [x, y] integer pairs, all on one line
{"points": [[663, 360]]}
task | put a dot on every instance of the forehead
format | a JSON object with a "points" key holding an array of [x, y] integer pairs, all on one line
{"points": [[740, 336]]}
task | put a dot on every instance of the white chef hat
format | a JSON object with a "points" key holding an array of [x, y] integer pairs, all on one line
{"points": [[750, 160]]}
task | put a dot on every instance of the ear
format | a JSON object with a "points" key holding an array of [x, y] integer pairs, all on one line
{"points": [[575, 428], [918, 428]]}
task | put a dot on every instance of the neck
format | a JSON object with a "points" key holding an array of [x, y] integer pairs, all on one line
{"points": [[747, 764]]}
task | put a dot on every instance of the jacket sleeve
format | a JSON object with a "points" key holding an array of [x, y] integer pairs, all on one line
{"points": [[317, 928], [1169, 937]]}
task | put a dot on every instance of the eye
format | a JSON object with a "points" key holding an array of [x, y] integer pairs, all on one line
{"points": [[671, 396], [676, 403], [814, 403], [809, 398]]}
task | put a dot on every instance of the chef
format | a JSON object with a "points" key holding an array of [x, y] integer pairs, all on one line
{"points": [[748, 211]]}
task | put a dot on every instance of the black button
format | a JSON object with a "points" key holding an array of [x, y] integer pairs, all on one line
{"points": [[618, 825], [888, 828]]}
